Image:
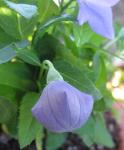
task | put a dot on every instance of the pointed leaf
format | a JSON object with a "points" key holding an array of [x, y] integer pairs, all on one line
{"points": [[77, 78], [28, 126], [29, 57], [6, 54], [27, 11], [7, 110], [55, 140], [16, 75]]}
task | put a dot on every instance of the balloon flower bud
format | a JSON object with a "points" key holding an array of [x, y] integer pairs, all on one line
{"points": [[62, 107]]}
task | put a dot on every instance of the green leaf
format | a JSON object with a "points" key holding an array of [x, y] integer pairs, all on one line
{"points": [[82, 34], [5, 39], [7, 110], [87, 132], [29, 57], [21, 44], [12, 125], [8, 22], [46, 9], [26, 26], [48, 47], [95, 132], [100, 105], [11, 96], [16, 75], [27, 11], [108, 99], [70, 44], [28, 126], [51, 21], [8, 92], [6, 54], [77, 78], [101, 134], [55, 140], [101, 74], [14, 25], [56, 20]]}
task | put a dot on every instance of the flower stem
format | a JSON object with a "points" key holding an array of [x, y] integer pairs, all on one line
{"points": [[66, 5], [39, 141], [109, 44]]}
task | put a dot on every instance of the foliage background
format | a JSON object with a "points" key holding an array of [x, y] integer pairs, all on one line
{"points": [[82, 57]]}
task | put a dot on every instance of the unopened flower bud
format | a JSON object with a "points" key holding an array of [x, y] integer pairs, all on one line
{"points": [[62, 107]]}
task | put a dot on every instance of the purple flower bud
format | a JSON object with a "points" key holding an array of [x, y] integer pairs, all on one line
{"points": [[62, 107], [98, 14]]}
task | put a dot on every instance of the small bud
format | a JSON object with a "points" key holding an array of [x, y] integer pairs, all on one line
{"points": [[62, 107], [52, 74]]}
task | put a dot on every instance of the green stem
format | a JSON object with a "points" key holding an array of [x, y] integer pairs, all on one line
{"points": [[112, 54], [61, 3], [19, 26], [39, 141], [42, 27], [109, 44], [39, 77], [5, 129], [41, 72], [66, 5]]}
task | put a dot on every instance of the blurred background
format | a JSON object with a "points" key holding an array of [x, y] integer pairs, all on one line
{"points": [[119, 12], [116, 85]]}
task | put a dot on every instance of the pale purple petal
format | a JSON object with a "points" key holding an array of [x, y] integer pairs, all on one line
{"points": [[82, 14], [62, 108], [85, 111], [59, 104], [98, 14], [65, 103], [43, 114], [106, 3], [100, 20]]}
